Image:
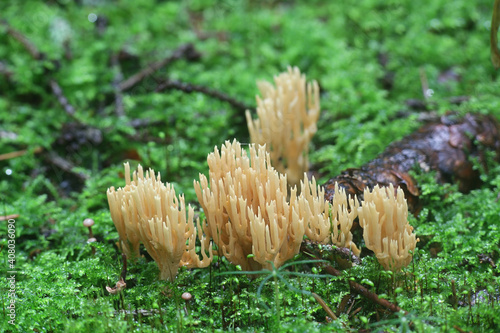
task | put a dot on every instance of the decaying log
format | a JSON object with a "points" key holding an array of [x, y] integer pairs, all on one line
{"points": [[446, 147]]}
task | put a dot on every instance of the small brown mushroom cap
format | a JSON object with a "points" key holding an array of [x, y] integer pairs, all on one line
{"points": [[88, 223], [186, 296]]}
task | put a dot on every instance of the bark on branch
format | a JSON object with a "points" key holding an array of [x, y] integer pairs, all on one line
{"points": [[446, 147]]}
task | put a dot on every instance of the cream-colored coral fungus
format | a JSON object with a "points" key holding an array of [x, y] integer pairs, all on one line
{"points": [[344, 211], [125, 220], [316, 211], [246, 206], [287, 115], [328, 222], [151, 211], [386, 231]]}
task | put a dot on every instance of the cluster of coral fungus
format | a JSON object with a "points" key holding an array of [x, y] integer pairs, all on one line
{"points": [[254, 214], [148, 211]]}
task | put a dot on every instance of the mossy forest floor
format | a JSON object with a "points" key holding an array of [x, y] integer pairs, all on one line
{"points": [[71, 127]]}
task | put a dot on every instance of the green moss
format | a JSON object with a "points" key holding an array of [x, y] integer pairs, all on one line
{"points": [[368, 57]]}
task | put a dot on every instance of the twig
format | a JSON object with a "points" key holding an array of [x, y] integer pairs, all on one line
{"points": [[189, 88], [56, 89], [359, 289], [141, 312], [356, 287], [65, 165], [324, 306], [138, 123], [8, 217], [37, 55], [184, 51], [30, 47], [116, 86], [459, 329], [18, 153]]}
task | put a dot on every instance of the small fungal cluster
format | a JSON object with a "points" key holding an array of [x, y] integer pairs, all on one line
{"points": [[148, 211]]}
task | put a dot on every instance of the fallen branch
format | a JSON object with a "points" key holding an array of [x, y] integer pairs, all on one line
{"points": [[190, 88], [30, 47], [65, 165], [184, 51], [324, 306], [353, 285], [446, 147], [135, 313], [144, 122], [37, 55], [57, 91], [461, 330]]}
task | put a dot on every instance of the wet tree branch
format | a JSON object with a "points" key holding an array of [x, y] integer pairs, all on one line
{"points": [[190, 88], [445, 147], [18, 153], [186, 51], [37, 55], [56, 160], [353, 285], [63, 101], [30, 47]]}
